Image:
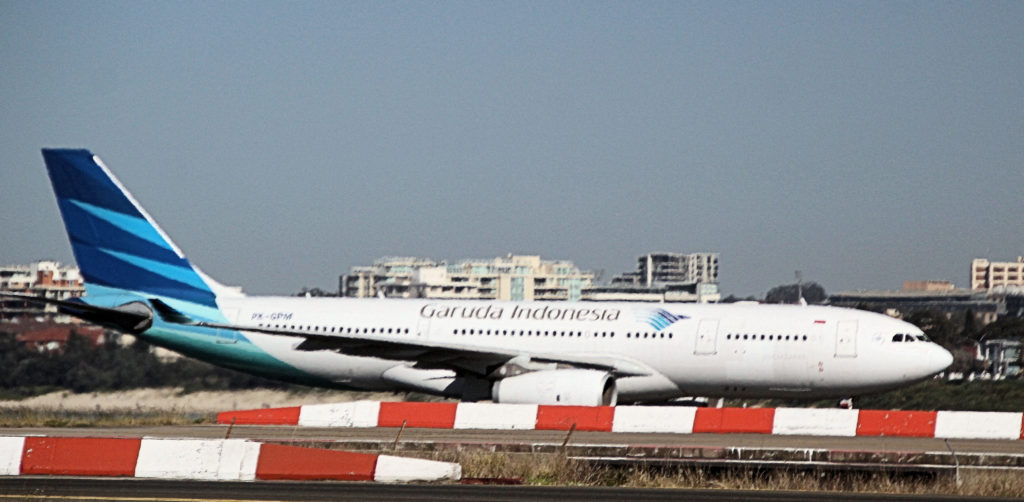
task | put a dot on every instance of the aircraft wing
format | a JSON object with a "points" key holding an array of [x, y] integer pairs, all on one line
{"points": [[435, 355]]}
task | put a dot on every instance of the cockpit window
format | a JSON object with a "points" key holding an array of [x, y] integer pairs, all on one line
{"points": [[898, 337], [921, 338]]}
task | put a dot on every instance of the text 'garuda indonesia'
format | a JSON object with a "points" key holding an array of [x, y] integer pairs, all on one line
{"points": [[518, 312]]}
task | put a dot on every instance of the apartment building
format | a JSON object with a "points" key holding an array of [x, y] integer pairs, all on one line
{"points": [[42, 278], [664, 277], [990, 274], [513, 277]]}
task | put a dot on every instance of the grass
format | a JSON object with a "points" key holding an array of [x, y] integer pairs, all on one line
{"points": [[1006, 395], [553, 469], [36, 417]]}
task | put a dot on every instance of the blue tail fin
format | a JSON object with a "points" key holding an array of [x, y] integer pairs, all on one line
{"points": [[115, 242]]}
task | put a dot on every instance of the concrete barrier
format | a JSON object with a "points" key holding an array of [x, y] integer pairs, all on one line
{"points": [[426, 415], [391, 469], [351, 414], [263, 416], [896, 423], [665, 419], [815, 422], [583, 418], [61, 456], [733, 420], [207, 459], [495, 416], [978, 425], [677, 419], [11, 451]]}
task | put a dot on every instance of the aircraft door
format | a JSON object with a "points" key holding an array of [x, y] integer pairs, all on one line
{"points": [[846, 339], [707, 338], [423, 328]]}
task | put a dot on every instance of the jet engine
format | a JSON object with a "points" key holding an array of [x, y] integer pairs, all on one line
{"points": [[573, 387]]}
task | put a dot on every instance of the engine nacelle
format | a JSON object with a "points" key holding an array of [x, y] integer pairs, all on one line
{"points": [[567, 387]]}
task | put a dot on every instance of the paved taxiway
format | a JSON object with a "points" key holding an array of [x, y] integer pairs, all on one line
{"points": [[387, 436], [90, 489]]}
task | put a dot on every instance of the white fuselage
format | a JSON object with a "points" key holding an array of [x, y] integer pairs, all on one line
{"points": [[713, 350]]}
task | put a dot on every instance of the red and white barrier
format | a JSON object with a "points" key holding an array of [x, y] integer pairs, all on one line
{"points": [[978, 425], [815, 422], [670, 419], [206, 459]]}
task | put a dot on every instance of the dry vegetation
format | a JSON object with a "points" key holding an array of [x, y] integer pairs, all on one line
{"points": [[41, 417], [550, 469], [160, 406]]}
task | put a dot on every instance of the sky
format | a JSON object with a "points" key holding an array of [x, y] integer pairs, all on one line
{"points": [[281, 143]]}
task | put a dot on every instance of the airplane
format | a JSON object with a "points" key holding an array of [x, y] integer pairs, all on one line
{"points": [[566, 353]]}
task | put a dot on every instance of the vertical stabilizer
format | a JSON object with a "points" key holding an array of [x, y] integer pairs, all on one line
{"points": [[116, 243]]}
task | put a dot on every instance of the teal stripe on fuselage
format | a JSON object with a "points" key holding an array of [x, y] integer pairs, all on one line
{"points": [[205, 344], [227, 348]]}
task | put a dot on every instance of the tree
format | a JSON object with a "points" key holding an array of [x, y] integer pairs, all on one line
{"points": [[1006, 328], [790, 293], [970, 330], [940, 328]]}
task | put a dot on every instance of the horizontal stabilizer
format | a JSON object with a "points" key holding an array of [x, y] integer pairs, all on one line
{"points": [[133, 317]]}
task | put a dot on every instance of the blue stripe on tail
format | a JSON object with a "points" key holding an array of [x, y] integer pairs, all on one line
{"points": [[115, 243]]}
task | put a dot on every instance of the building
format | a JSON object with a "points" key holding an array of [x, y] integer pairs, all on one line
{"points": [[1002, 357], [50, 336], [952, 302], [664, 277], [671, 268], [986, 275], [391, 276], [42, 278], [928, 286], [513, 277]]}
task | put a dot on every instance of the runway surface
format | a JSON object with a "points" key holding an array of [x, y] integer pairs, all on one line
{"points": [[387, 437], [124, 490]]}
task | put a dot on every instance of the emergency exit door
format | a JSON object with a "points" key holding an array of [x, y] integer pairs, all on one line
{"points": [[707, 338], [846, 339]]}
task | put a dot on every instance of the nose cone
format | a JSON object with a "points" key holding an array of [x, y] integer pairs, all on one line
{"points": [[939, 359]]}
